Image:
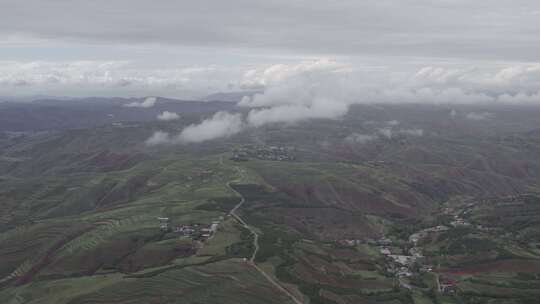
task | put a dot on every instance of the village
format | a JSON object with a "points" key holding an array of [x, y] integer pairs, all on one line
{"points": [[196, 231], [406, 265], [403, 262], [262, 152]]}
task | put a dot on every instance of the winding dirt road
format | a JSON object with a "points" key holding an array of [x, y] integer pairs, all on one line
{"points": [[251, 261]]}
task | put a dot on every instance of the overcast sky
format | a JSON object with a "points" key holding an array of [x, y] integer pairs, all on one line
{"points": [[189, 49]]}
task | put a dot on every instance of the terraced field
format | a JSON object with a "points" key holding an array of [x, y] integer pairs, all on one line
{"points": [[80, 208], [120, 235]]}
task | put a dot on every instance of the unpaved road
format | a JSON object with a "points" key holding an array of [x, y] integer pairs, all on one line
{"points": [[251, 261]]}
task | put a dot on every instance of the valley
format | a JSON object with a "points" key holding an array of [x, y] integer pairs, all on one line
{"points": [[302, 213]]}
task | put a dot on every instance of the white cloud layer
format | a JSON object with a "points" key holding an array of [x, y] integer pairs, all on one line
{"points": [[112, 78], [293, 92], [325, 89], [306, 87]]}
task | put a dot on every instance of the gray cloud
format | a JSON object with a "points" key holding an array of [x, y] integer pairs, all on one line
{"points": [[310, 59], [458, 28], [414, 51]]}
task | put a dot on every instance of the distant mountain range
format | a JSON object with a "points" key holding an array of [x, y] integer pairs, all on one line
{"points": [[55, 114]]}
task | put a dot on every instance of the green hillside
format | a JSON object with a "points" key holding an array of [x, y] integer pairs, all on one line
{"points": [[280, 214]]}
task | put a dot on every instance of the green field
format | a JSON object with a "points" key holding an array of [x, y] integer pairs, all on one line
{"points": [[80, 208]]}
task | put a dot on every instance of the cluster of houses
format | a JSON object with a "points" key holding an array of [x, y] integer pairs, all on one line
{"points": [[401, 265], [209, 231], [459, 221], [199, 232], [415, 237], [407, 265], [447, 285], [273, 153], [186, 230]]}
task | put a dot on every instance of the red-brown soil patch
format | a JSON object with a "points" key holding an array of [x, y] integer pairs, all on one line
{"points": [[515, 265]]}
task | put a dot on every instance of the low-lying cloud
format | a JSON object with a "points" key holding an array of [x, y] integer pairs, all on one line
{"points": [[167, 116], [391, 133], [386, 132], [479, 116], [357, 138], [412, 132], [382, 133], [148, 102], [160, 138], [326, 89], [309, 90], [220, 125], [295, 113]]}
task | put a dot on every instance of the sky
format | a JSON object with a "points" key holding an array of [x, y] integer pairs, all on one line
{"points": [[324, 55]]}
